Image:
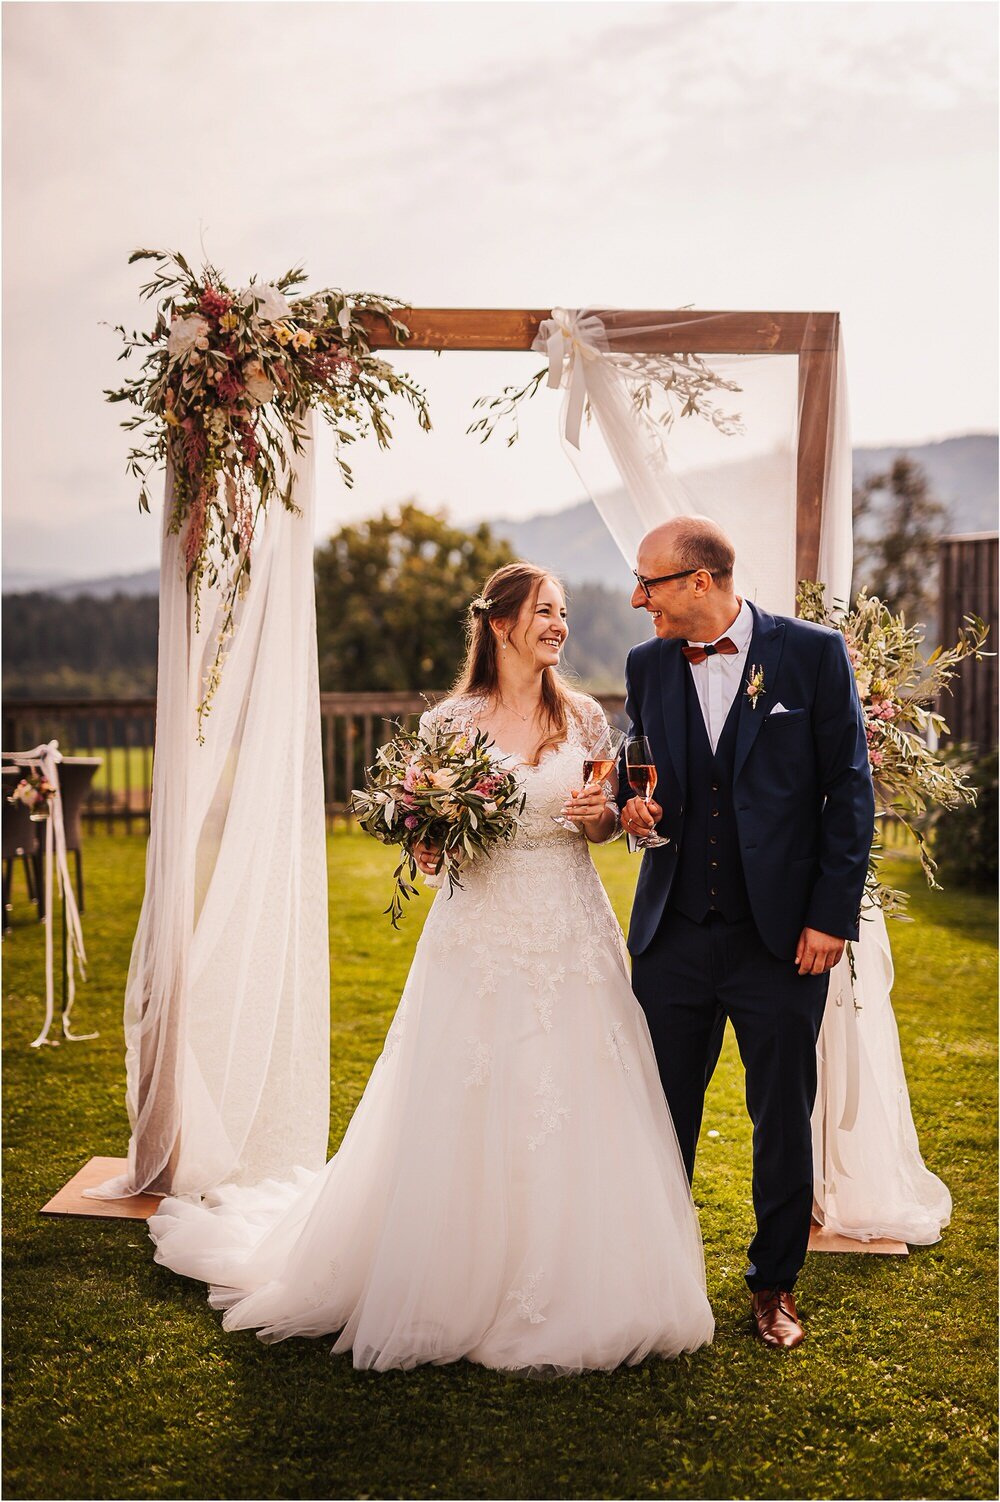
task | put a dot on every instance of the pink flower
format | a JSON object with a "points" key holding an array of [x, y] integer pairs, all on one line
{"points": [[410, 778], [875, 757], [411, 821], [213, 304]]}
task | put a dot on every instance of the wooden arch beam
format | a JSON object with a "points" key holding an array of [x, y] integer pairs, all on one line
{"points": [[812, 337]]}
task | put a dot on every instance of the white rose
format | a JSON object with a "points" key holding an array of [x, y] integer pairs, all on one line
{"points": [[185, 333], [259, 387], [272, 305]]}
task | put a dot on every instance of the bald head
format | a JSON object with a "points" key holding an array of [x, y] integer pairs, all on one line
{"points": [[693, 542]]}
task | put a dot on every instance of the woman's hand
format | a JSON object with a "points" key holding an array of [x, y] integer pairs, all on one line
{"points": [[428, 858], [589, 810]]}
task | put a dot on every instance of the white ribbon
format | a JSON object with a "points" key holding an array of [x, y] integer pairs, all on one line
{"points": [[571, 340], [46, 760]]}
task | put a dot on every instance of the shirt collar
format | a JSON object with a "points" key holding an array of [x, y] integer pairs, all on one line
{"points": [[739, 632]]}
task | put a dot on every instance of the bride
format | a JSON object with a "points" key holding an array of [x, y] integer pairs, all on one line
{"points": [[510, 1188]]}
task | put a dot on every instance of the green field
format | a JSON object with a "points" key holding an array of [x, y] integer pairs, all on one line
{"points": [[120, 1382]]}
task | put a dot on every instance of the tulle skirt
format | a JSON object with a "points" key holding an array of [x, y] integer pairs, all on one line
{"points": [[509, 1189]]}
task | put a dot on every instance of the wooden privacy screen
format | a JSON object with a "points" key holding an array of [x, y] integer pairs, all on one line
{"points": [[813, 337]]}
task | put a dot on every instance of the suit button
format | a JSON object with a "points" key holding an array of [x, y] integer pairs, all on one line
{"points": [[713, 865], [715, 893], [712, 839], [715, 787], [681, 809], [715, 813]]}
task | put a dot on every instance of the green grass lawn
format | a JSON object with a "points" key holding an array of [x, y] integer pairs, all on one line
{"points": [[121, 1383]]}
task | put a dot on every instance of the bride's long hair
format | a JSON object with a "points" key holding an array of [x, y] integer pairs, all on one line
{"points": [[503, 596]]}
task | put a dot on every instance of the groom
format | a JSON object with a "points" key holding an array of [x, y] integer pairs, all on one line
{"points": [[765, 795]]}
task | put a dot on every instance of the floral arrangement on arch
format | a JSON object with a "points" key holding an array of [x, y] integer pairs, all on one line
{"points": [[222, 393], [898, 688]]}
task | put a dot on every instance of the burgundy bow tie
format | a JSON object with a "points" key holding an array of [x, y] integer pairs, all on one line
{"points": [[698, 654]]}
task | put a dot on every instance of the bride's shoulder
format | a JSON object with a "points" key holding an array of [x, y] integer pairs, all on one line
{"points": [[584, 709], [459, 710]]}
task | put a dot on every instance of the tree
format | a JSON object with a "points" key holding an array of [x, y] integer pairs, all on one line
{"points": [[392, 597], [897, 523]]}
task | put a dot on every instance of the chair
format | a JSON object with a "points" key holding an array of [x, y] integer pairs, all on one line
{"points": [[20, 838], [76, 773]]}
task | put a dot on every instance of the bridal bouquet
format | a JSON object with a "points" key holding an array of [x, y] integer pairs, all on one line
{"points": [[437, 788], [226, 378]]}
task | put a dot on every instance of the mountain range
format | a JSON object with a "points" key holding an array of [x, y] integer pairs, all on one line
{"points": [[574, 543]]}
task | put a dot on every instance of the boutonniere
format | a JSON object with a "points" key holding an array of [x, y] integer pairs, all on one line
{"points": [[755, 685]]}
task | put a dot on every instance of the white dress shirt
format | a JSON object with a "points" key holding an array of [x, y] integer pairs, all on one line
{"points": [[719, 678]]}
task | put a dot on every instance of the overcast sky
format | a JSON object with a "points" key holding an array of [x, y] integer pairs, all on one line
{"points": [[510, 154]]}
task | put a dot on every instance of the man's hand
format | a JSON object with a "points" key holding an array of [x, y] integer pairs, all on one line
{"points": [[640, 818], [816, 952], [428, 858]]}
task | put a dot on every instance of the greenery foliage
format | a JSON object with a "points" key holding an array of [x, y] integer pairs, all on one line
{"points": [[898, 688], [84, 647], [121, 1383], [392, 596]]}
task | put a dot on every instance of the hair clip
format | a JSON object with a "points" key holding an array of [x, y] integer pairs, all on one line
{"points": [[480, 605]]}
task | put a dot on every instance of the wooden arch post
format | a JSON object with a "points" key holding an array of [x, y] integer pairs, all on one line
{"points": [[812, 337]]}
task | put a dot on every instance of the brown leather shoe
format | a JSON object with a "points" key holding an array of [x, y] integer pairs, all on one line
{"points": [[776, 1319]]}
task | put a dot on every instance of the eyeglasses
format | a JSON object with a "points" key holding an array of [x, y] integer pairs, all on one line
{"points": [[647, 584]]}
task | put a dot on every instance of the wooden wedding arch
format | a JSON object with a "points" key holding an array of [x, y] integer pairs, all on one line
{"points": [[812, 337]]}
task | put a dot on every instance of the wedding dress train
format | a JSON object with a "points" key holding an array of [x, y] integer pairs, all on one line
{"points": [[510, 1188]]}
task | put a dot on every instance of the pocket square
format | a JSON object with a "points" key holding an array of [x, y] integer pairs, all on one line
{"points": [[779, 709]]}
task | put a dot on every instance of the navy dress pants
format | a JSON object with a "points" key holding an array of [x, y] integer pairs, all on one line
{"points": [[690, 979]]}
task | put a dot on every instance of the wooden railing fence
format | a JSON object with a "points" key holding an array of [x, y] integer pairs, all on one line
{"points": [[121, 731]]}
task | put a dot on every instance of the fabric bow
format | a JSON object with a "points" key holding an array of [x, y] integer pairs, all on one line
{"points": [[45, 759], [570, 339]]}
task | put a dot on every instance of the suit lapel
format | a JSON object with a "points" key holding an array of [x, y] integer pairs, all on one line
{"points": [[765, 652], [673, 703]]}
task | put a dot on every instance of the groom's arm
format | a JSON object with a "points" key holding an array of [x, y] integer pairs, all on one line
{"points": [[848, 815]]}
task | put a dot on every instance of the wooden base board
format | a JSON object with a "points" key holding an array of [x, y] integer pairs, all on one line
{"points": [[70, 1199], [822, 1240]]}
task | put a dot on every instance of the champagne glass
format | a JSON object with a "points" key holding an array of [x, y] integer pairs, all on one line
{"points": [[641, 771], [598, 763]]}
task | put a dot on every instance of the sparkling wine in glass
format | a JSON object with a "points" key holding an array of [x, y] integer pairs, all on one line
{"points": [[598, 764], [641, 771]]}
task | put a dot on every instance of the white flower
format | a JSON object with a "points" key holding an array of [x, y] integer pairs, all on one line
{"points": [[259, 386], [272, 305], [185, 334]]}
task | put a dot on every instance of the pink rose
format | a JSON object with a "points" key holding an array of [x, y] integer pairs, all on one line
{"points": [[411, 821], [410, 779]]}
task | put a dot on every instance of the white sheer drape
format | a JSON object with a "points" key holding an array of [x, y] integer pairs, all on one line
{"points": [[870, 1178], [227, 998]]}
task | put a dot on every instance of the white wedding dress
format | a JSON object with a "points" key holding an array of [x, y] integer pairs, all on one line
{"points": [[509, 1189]]}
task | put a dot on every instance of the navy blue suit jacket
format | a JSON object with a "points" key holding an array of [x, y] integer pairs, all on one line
{"points": [[802, 786]]}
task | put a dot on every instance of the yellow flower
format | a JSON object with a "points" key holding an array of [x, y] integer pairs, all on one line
{"points": [[228, 321], [282, 334], [302, 339], [172, 418], [443, 779]]}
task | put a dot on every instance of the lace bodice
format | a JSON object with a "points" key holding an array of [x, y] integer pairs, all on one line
{"points": [[541, 894], [545, 786]]}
